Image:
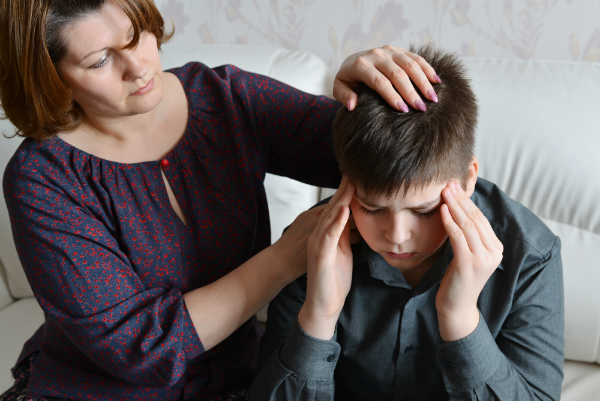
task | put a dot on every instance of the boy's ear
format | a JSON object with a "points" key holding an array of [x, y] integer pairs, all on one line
{"points": [[472, 175]]}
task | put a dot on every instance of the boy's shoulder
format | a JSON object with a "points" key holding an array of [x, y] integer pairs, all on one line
{"points": [[517, 227]]}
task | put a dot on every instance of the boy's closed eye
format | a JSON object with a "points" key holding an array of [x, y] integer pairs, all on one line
{"points": [[420, 213]]}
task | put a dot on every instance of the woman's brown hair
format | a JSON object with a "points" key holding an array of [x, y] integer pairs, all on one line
{"points": [[32, 45]]}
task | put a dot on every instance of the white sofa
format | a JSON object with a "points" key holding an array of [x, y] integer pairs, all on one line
{"points": [[538, 139]]}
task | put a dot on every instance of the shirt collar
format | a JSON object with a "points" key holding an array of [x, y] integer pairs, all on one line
{"points": [[381, 270]]}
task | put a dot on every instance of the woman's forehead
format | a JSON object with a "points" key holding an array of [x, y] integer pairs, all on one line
{"points": [[108, 27]]}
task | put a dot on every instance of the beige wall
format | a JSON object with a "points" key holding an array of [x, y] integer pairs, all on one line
{"points": [[333, 29]]}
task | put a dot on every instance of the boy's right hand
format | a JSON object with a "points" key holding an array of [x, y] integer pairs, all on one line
{"points": [[329, 270]]}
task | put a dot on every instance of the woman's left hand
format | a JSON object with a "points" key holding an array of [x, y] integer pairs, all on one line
{"points": [[477, 254], [387, 70]]}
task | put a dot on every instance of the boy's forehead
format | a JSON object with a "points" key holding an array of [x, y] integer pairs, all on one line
{"points": [[417, 195]]}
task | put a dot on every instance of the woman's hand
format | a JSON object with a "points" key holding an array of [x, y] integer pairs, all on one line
{"points": [[329, 269], [384, 69], [477, 254]]}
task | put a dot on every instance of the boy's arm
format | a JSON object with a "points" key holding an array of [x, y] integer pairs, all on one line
{"points": [[525, 360], [292, 364], [298, 351]]}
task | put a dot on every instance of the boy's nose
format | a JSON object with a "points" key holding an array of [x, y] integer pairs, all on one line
{"points": [[397, 232]]}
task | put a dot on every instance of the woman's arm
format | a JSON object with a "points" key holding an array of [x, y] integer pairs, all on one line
{"points": [[219, 308]]}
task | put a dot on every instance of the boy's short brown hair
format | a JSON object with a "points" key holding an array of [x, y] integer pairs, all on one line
{"points": [[32, 44], [383, 150]]}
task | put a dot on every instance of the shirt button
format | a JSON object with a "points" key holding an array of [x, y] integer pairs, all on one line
{"points": [[330, 358], [164, 163], [407, 350]]}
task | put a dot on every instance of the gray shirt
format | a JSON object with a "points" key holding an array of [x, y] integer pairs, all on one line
{"points": [[387, 344]]}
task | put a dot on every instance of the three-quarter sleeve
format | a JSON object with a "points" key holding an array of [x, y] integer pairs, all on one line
{"points": [[87, 285], [288, 129], [524, 362]]}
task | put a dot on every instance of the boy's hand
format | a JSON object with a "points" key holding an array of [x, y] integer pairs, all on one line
{"points": [[329, 269], [388, 70], [477, 254]]}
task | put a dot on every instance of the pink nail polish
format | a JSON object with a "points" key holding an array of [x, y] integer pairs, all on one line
{"points": [[437, 78], [432, 95], [348, 106], [419, 105], [402, 106]]}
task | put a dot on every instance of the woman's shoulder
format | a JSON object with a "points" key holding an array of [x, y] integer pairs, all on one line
{"points": [[36, 162]]}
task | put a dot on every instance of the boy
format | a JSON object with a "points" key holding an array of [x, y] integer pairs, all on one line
{"points": [[455, 291]]}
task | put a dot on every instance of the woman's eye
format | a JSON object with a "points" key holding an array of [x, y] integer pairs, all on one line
{"points": [[370, 212], [100, 63]]}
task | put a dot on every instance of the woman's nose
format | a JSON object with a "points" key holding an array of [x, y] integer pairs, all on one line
{"points": [[134, 69]]}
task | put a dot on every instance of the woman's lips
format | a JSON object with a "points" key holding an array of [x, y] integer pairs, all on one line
{"points": [[144, 89], [400, 255]]}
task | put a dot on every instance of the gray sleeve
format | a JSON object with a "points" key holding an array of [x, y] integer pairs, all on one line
{"points": [[525, 361], [292, 364]]}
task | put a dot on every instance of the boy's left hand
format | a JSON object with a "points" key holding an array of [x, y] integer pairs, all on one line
{"points": [[477, 254]]}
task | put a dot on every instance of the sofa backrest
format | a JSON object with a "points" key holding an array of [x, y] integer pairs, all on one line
{"points": [[538, 139]]}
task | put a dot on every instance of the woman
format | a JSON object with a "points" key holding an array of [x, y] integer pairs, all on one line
{"points": [[137, 201]]}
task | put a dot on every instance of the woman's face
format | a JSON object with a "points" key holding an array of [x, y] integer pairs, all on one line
{"points": [[105, 79]]}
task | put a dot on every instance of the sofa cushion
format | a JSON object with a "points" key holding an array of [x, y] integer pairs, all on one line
{"points": [[18, 322]]}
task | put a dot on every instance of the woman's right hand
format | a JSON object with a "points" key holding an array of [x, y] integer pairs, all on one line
{"points": [[329, 270]]}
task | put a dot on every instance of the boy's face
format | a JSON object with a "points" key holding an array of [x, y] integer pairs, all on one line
{"points": [[407, 231]]}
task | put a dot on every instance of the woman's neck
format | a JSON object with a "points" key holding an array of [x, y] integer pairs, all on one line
{"points": [[133, 139]]}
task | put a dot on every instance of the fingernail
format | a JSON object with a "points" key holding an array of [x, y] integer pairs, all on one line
{"points": [[402, 106], [449, 192], [348, 106], [437, 78], [432, 95], [420, 105]]}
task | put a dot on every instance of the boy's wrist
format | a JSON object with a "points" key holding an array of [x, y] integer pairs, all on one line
{"points": [[458, 324], [321, 327]]}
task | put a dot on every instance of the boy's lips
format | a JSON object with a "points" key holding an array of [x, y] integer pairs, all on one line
{"points": [[400, 255]]}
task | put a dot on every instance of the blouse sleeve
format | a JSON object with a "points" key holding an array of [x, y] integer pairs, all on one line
{"points": [[289, 130], [87, 286]]}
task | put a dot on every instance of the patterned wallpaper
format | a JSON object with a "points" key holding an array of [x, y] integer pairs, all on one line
{"points": [[333, 29]]}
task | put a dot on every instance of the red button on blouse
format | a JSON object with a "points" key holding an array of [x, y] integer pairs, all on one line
{"points": [[165, 163]]}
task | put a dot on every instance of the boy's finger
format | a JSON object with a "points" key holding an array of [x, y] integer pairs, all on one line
{"points": [[456, 235], [484, 228], [332, 211], [486, 233], [465, 224]]}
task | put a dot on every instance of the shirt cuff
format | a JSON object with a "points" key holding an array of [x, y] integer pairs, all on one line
{"points": [[470, 361], [309, 357]]}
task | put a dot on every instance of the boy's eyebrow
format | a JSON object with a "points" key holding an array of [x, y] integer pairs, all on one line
{"points": [[423, 205]]}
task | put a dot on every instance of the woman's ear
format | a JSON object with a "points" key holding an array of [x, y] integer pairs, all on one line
{"points": [[472, 175]]}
